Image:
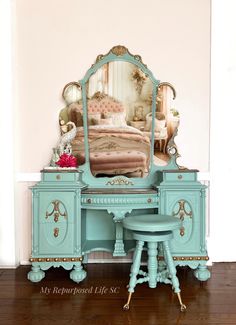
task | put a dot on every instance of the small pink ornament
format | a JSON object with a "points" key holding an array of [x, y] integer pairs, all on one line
{"points": [[67, 161]]}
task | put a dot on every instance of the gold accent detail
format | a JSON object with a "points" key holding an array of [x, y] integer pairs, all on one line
{"points": [[187, 258], [56, 232], [56, 211], [182, 306], [56, 259], [120, 50], [126, 306], [168, 85], [182, 231], [58, 177], [182, 213], [180, 176], [119, 181]]}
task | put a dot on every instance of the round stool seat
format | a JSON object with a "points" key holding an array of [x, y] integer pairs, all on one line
{"points": [[158, 236], [151, 222]]}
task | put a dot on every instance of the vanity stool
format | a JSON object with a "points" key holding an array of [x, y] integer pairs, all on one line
{"points": [[153, 229]]}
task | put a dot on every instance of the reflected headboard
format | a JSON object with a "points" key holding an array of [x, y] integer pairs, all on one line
{"points": [[94, 106]]}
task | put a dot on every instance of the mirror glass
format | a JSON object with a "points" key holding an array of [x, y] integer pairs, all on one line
{"points": [[119, 121], [166, 124], [119, 104]]}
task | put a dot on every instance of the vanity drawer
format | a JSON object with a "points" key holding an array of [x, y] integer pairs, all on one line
{"points": [[104, 201], [60, 177], [180, 176]]}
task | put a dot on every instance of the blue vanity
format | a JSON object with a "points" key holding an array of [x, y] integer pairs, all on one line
{"points": [[120, 124]]}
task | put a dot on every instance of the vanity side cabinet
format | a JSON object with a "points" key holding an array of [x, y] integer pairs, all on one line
{"points": [[56, 224], [182, 196]]}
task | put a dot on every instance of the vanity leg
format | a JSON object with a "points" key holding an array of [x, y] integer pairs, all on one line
{"points": [[36, 274], [78, 274], [202, 273], [119, 243]]}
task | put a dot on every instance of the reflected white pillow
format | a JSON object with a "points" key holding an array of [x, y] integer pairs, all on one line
{"points": [[103, 121], [118, 119]]}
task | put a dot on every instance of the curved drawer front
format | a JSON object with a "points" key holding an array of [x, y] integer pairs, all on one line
{"points": [[99, 201]]}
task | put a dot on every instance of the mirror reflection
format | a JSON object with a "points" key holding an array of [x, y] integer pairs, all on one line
{"points": [[166, 123], [119, 121], [119, 128]]}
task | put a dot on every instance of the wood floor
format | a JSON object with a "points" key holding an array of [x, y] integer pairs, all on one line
{"points": [[22, 302]]}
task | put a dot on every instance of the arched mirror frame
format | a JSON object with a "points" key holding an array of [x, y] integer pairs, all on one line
{"points": [[121, 53]]}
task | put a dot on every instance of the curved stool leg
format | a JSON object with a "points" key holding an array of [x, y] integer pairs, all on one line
{"points": [[172, 270], [152, 264], [135, 269]]}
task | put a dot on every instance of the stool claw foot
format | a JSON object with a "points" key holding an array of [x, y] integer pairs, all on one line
{"points": [[182, 306], [126, 306]]}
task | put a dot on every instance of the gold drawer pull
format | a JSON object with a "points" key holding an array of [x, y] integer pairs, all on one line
{"points": [[58, 177], [149, 200], [180, 177], [56, 232]]}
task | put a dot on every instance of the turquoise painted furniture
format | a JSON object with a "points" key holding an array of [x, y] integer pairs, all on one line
{"points": [[75, 213], [153, 229], [56, 227]]}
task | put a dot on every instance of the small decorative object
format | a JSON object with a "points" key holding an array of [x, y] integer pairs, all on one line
{"points": [[174, 112], [55, 157], [67, 137], [67, 160], [138, 111], [63, 127], [172, 150], [139, 78]]}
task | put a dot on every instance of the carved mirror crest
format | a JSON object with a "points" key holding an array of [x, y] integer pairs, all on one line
{"points": [[112, 109]]}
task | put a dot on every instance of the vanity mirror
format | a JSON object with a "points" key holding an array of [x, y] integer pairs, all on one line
{"points": [[112, 109]]}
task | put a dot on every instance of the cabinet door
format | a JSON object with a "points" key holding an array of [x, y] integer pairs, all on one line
{"points": [[185, 205], [56, 218]]}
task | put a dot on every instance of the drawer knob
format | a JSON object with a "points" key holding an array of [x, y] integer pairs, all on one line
{"points": [[58, 177], [180, 177], [56, 232], [149, 200], [89, 200]]}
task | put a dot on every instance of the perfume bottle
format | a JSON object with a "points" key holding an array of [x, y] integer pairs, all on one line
{"points": [[55, 157]]}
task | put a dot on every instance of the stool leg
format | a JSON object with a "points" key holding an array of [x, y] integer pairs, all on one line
{"points": [[152, 264], [172, 270], [134, 271]]}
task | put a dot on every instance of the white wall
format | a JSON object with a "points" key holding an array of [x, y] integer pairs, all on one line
{"points": [[223, 117], [7, 220], [58, 40]]}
